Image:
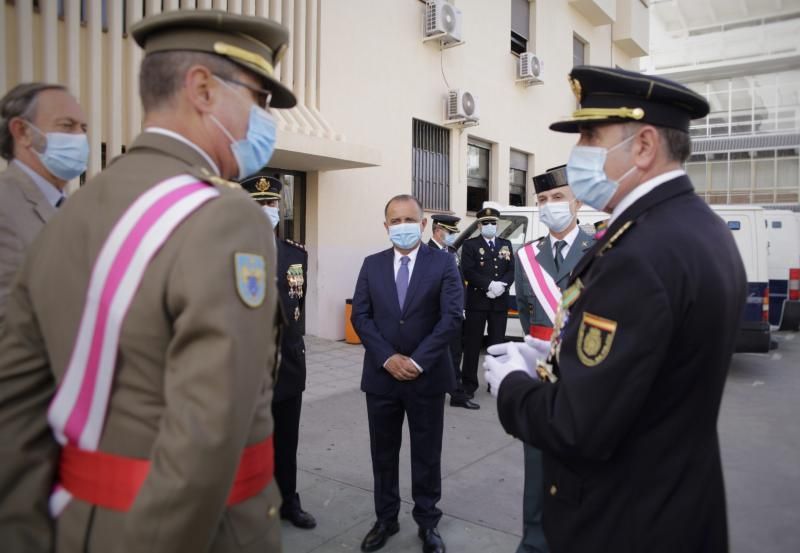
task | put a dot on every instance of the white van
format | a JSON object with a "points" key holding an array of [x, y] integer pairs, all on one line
{"points": [[748, 223], [783, 231]]}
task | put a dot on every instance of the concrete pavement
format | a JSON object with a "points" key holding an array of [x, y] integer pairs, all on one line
{"points": [[482, 465]]}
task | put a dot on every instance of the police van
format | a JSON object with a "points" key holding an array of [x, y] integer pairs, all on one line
{"points": [[748, 224], [520, 225], [783, 268]]}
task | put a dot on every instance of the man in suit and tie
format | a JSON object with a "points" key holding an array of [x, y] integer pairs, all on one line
{"points": [[43, 139], [443, 235], [407, 307], [489, 270], [541, 272]]}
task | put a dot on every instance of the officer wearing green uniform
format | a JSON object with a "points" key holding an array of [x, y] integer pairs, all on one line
{"points": [[180, 458], [623, 401], [291, 380]]}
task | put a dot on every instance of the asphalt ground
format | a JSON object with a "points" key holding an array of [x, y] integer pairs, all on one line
{"points": [[482, 466]]}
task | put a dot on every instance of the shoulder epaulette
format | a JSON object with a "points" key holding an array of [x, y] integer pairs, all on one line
{"points": [[617, 235], [295, 244], [207, 176]]}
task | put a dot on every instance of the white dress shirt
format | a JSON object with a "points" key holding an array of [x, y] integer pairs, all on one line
{"points": [[412, 258], [641, 190], [181, 138], [52, 194]]}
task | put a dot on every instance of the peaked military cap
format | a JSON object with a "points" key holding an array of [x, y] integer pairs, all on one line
{"points": [[254, 43], [555, 177], [607, 95], [262, 187], [447, 222], [488, 214]]}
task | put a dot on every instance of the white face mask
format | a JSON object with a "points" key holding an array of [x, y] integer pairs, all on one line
{"points": [[489, 230], [557, 216], [273, 214]]}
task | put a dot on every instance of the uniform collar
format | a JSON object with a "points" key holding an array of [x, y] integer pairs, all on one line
{"points": [[180, 138], [641, 190]]}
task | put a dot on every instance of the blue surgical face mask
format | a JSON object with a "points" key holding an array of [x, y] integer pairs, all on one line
{"points": [[66, 155], [556, 216], [449, 239], [405, 235], [255, 150], [273, 213], [587, 176], [489, 231]]}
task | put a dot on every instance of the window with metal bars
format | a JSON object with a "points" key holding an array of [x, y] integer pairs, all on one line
{"points": [[430, 173]]}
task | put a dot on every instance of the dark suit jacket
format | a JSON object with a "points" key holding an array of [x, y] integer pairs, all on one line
{"points": [[530, 310], [291, 379], [631, 453], [422, 330], [481, 267]]}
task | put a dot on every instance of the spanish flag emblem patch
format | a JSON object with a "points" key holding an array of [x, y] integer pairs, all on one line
{"points": [[595, 337]]}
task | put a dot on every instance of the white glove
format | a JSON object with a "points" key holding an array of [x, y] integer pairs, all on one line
{"points": [[491, 295], [529, 354], [497, 368], [497, 288], [541, 346]]}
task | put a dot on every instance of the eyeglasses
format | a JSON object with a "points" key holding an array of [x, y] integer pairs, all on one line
{"points": [[262, 97]]}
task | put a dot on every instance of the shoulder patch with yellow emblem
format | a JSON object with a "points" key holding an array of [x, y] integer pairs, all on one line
{"points": [[595, 337], [251, 278]]}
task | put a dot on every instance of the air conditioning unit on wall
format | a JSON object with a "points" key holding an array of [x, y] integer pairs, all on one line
{"points": [[442, 22], [529, 69], [461, 107]]}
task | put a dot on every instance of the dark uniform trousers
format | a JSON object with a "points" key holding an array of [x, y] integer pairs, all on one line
{"points": [[291, 379], [458, 394], [482, 265]]}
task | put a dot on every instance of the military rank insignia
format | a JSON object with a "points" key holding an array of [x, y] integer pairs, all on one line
{"points": [[296, 280], [504, 253], [595, 337], [481, 251], [251, 278]]}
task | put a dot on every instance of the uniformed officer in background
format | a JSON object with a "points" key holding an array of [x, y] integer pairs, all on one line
{"points": [[141, 338], [287, 398], [443, 235], [488, 266], [623, 401]]}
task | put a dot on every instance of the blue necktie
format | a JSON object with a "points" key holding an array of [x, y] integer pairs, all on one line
{"points": [[402, 280]]}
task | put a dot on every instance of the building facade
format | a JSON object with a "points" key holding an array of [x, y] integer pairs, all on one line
{"points": [[372, 88], [744, 57]]}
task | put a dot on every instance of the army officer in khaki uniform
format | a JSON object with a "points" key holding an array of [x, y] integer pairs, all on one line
{"points": [[147, 403]]}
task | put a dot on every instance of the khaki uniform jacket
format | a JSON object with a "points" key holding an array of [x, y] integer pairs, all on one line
{"points": [[193, 380], [23, 212]]}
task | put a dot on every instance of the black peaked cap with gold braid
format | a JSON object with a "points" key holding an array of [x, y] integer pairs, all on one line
{"points": [[254, 43], [607, 95], [262, 187], [447, 222]]}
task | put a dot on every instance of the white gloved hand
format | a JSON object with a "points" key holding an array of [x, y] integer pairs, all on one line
{"points": [[491, 295], [497, 288], [529, 354], [541, 346], [497, 368]]}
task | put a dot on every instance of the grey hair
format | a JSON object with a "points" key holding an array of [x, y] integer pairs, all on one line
{"points": [[21, 102], [162, 73], [403, 198]]}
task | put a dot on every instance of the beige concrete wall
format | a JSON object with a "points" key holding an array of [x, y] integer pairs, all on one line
{"points": [[377, 74]]}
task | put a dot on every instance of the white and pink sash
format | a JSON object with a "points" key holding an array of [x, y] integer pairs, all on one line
{"points": [[544, 287], [78, 410]]}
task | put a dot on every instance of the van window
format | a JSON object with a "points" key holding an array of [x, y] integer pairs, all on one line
{"points": [[510, 227], [777, 224], [735, 225]]}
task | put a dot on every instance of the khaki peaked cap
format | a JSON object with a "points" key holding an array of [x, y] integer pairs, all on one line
{"points": [[254, 43]]}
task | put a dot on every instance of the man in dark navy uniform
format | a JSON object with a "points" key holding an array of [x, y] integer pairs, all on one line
{"points": [[623, 401], [291, 380], [443, 235], [487, 262]]}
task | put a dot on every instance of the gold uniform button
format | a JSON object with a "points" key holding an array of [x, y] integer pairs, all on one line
{"points": [[272, 511], [553, 490]]}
